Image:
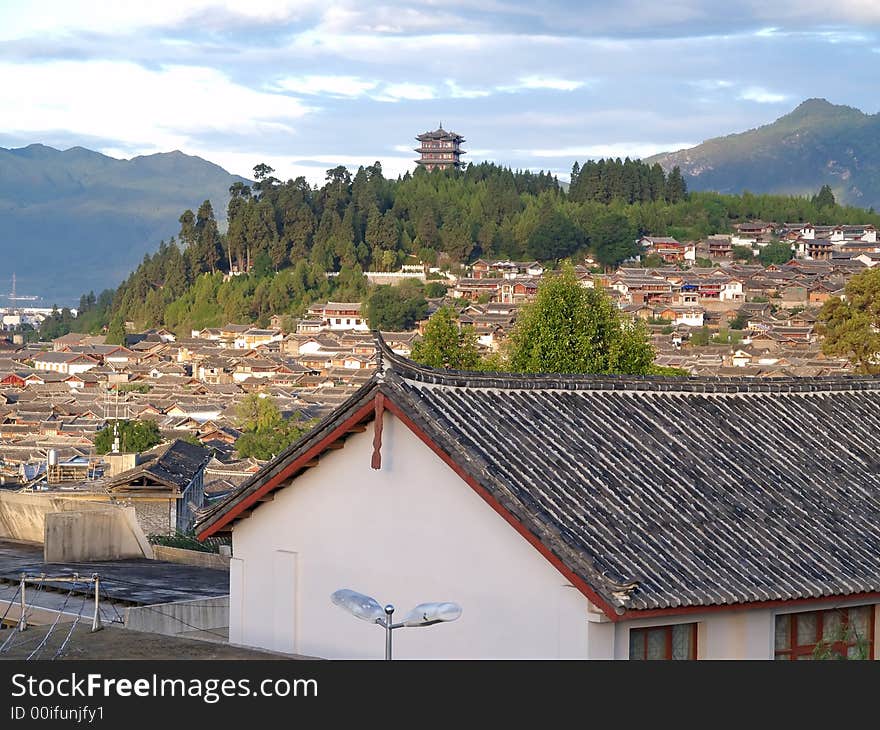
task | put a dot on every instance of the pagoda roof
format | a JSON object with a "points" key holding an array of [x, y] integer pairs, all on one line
{"points": [[441, 133]]}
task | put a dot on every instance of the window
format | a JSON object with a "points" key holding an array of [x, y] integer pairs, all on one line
{"points": [[664, 642], [845, 632]]}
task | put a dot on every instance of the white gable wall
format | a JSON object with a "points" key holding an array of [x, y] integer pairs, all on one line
{"points": [[409, 533]]}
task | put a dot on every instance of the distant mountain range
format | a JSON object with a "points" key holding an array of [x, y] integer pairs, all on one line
{"points": [[816, 144], [76, 220]]}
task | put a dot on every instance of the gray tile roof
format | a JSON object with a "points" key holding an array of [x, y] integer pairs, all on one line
{"points": [[701, 491]]}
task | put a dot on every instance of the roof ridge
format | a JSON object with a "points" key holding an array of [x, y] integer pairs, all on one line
{"points": [[392, 365]]}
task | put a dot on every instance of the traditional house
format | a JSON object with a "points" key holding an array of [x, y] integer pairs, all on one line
{"points": [[68, 363], [165, 487], [634, 517], [719, 247], [255, 337], [338, 316]]}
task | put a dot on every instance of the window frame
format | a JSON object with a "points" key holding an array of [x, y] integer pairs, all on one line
{"points": [[668, 629], [795, 650]]}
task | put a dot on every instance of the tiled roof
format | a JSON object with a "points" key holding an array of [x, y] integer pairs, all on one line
{"points": [[701, 491]]}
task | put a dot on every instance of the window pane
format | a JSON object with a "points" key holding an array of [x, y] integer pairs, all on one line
{"points": [[832, 626], [636, 645], [857, 652], [682, 641], [858, 622], [657, 644], [806, 628], [783, 632]]}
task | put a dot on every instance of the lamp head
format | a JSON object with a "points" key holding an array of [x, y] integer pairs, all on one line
{"points": [[358, 605], [427, 614]]}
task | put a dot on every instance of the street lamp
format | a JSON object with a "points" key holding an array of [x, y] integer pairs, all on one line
{"points": [[368, 609]]}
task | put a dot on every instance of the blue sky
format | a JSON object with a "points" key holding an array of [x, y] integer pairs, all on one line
{"points": [[307, 85]]}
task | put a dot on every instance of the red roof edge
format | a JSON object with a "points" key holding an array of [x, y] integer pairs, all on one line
{"points": [[362, 414]]}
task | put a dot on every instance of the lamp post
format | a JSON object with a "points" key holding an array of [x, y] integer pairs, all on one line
{"points": [[368, 609]]}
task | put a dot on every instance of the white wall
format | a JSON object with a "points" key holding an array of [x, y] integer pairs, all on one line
{"points": [[408, 533]]}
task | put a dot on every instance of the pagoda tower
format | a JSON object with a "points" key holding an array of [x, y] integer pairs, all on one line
{"points": [[439, 149]]}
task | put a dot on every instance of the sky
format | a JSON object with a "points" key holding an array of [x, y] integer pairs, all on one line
{"points": [[306, 85]]}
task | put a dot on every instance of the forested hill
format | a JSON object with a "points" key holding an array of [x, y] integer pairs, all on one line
{"points": [[77, 219], [287, 235], [816, 144]]}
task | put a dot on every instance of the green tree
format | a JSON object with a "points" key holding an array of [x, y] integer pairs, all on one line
{"points": [[612, 238], [574, 329], [743, 253], [739, 322], [265, 432], [134, 437], [554, 237], [777, 252], [116, 331], [851, 324], [446, 344], [824, 198], [395, 308], [434, 289]]}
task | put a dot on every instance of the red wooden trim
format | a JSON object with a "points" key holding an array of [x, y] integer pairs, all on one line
{"points": [[376, 461], [254, 497], [578, 582], [683, 610]]}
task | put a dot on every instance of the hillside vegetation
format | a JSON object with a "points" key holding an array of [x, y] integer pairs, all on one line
{"points": [[287, 235]]}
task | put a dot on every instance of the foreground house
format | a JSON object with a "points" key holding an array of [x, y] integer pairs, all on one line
{"points": [[570, 516]]}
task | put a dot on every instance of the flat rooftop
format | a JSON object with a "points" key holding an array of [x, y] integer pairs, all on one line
{"points": [[138, 582]]}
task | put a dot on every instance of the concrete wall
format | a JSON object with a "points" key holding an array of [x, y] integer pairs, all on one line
{"points": [[409, 533], [72, 529], [108, 534], [22, 516], [181, 617], [191, 557]]}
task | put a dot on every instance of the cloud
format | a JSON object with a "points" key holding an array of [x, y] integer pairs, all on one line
{"points": [[405, 91], [67, 17], [336, 86], [458, 92], [351, 87], [159, 109], [632, 150], [711, 84], [542, 82], [761, 95]]}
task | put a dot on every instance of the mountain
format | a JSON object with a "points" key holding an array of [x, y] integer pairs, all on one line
{"points": [[76, 220], [816, 144]]}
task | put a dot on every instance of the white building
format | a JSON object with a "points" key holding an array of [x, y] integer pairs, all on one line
{"points": [[575, 517], [337, 317], [69, 363]]}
